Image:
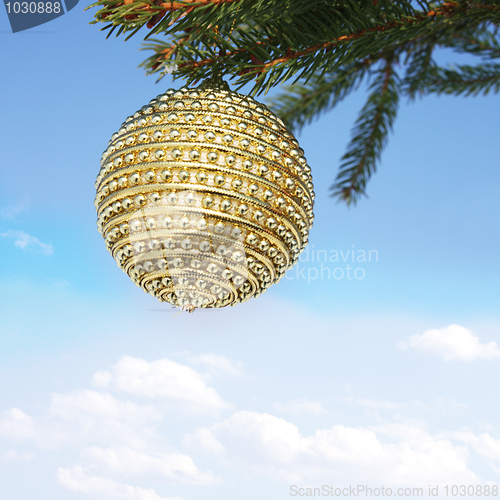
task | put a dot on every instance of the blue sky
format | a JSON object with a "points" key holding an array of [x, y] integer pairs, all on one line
{"points": [[105, 393]]}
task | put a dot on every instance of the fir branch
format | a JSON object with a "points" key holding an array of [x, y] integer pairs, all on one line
{"points": [[203, 13], [370, 135], [479, 42], [417, 71], [280, 62], [327, 45], [467, 80], [298, 105]]}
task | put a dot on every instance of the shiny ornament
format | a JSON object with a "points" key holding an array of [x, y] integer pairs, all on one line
{"points": [[204, 198]]}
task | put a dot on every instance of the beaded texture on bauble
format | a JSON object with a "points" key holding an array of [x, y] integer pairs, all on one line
{"points": [[204, 198]]}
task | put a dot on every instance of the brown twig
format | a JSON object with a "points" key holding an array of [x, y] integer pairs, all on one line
{"points": [[445, 10]]}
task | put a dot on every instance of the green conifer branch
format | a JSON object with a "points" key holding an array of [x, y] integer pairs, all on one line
{"points": [[369, 136], [264, 57], [300, 104], [421, 62], [467, 80], [325, 48]]}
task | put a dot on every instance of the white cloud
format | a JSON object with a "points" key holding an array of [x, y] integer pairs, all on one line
{"points": [[205, 439], [24, 240], [395, 454], [409, 408], [102, 378], [132, 463], [218, 364], [15, 424], [484, 444], [163, 379], [15, 456], [82, 417], [132, 449], [76, 479], [11, 211], [383, 404], [453, 342], [89, 416], [126, 448], [254, 442], [90, 405], [60, 282], [300, 406]]}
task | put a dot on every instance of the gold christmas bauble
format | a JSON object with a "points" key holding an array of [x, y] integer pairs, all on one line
{"points": [[204, 198]]}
